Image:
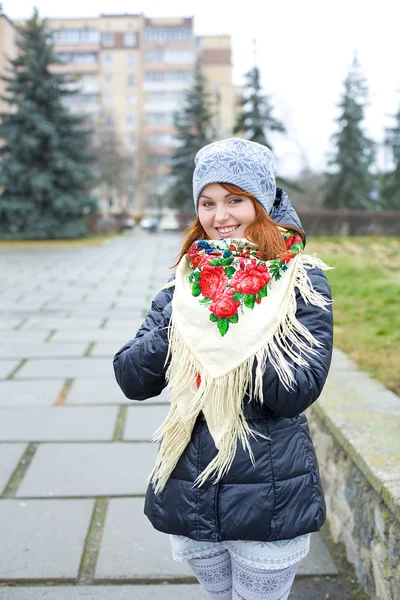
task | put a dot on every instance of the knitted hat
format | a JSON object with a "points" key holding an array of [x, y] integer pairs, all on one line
{"points": [[248, 165]]}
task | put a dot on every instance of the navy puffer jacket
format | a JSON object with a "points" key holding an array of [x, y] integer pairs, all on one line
{"points": [[281, 496]]}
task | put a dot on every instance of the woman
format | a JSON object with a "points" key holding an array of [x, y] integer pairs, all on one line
{"points": [[243, 335]]}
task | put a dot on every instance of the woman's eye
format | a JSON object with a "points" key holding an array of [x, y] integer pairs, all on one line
{"points": [[236, 200]]}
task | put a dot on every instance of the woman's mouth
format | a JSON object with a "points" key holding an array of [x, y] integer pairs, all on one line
{"points": [[227, 230]]}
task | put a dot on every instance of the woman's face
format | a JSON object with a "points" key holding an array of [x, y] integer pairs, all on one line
{"points": [[224, 215]]}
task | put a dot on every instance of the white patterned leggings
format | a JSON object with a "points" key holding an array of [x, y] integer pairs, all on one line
{"points": [[225, 578]]}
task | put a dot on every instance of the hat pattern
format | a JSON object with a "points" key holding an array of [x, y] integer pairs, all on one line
{"points": [[248, 165]]}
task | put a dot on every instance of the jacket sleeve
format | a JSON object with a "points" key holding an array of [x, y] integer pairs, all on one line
{"points": [[309, 380], [139, 366]]}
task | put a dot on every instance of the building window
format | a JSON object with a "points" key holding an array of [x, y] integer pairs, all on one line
{"points": [[131, 121], [165, 96], [169, 56], [154, 56], [161, 139], [76, 36], [159, 118], [107, 39], [130, 142], [131, 99], [167, 34], [108, 79], [131, 202], [168, 76], [108, 121], [77, 58], [108, 100], [87, 78], [130, 80], [130, 38], [130, 58], [80, 99], [107, 59]]}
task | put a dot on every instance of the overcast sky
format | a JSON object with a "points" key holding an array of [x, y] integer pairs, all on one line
{"points": [[304, 51]]}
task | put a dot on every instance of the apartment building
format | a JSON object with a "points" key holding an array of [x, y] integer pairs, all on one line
{"points": [[7, 52], [132, 73]]}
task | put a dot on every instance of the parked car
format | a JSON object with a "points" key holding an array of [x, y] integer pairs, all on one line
{"points": [[169, 223], [128, 223], [149, 223]]}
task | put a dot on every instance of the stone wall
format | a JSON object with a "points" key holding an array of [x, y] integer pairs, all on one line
{"points": [[354, 431]]}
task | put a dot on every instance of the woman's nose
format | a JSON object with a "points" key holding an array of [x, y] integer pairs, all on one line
{"points": [[221, 214]]}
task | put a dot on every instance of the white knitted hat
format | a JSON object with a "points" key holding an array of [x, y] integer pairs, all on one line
{"points": [[248, 165]]}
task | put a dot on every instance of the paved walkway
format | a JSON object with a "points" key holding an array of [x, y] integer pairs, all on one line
{"points": [[74, 452]]}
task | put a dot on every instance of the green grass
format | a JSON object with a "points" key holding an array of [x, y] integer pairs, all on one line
{"points": [[366, 290]]}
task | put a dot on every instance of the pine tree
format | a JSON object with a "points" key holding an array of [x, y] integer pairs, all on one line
{"points": [[194, 130], [255, 120], [45, 173], [390, 193], [350, 185]]}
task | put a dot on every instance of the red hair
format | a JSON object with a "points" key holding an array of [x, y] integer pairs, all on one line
{"points": [[263, 231]]}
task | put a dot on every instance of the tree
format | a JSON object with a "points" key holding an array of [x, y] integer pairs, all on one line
{"points": [[114, 168], [351, 184], [194, 130], [390, 192], [255, 119], [45, 173]]}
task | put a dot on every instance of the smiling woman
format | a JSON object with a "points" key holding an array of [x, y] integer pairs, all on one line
{"points": [[243, 337], [221, 213], [242, 211]]}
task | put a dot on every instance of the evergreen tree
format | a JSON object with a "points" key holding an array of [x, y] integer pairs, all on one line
{"points": [[194, 130], [390, 193], [351, 184], [45, 173], [255, 119]]}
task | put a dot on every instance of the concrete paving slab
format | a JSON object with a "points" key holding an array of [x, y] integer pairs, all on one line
{"points": [[58, 423], [123, 302], [131, 548], [7, 366], [17, 336], [10, 323], [42, 539], [120, 335], [108, 469], [67, 367], [108, 349], [131, 324], [41, 349], [14, 394], [106, 592], [90, 391], [143, 420], [79, 310], [10, 455], [318, 561], [65, 324]]}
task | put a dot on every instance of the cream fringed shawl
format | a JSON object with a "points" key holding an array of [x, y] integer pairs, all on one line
{"points": [[230, 309]]}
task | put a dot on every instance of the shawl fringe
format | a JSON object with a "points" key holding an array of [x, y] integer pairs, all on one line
{"points": [[221, 399]]}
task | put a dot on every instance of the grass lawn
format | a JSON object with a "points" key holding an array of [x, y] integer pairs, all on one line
{"points": [[366, 290], [91, 240]]}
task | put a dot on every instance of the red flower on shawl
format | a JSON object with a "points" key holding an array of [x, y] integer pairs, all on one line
{"points": [[212, 281], [287, 256], [198, 260], [224, 307], [251, 279]]}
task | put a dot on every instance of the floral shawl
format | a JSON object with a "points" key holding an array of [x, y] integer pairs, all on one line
{"points": [[231, 310]]}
